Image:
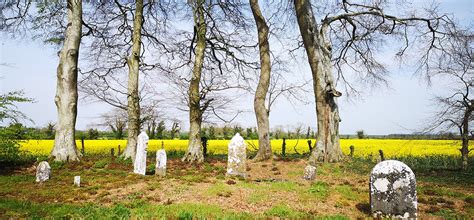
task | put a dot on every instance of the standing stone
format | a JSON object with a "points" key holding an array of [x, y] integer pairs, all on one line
{"points": [[393, 190], [77, 181], [309, 172], [139, 166], [43, 172], [160, 168], [237, 156]]}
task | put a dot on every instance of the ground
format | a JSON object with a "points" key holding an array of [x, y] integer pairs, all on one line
{"points": [[273, 189]]}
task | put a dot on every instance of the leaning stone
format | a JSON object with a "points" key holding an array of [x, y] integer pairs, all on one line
{"points": [[77, 181], [160, 168], [139, 166], [237, 157], [43, 172], [393, 190], [309, 172]]}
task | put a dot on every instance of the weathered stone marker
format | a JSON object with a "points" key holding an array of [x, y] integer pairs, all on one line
{"points": [[352, 151], [77, 181], [160, 168], [309, 172], [393, 190], [43, 172], [237, 157], [139, 166]]}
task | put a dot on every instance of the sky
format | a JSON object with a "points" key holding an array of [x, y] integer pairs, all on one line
{"points": [[403, 107]]}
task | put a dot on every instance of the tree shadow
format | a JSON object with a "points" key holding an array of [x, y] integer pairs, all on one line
{"points": [[363, 207]]}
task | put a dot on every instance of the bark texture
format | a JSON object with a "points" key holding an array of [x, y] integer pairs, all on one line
{"points": [[261, 112], [318, 51], [133, 62], [194, 153], [66, 89], [465, 138]]}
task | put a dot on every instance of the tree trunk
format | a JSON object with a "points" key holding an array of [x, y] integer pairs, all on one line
{"points": [[66, 89], [194, 153], [261, 112], [133, 98], [465, 139], [318, 51]]}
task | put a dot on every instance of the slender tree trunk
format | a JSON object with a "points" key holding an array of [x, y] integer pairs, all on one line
{"points": [[261, 112], [318, 51], [465, 139], [133, 98], [194, 153], [66, 89]]}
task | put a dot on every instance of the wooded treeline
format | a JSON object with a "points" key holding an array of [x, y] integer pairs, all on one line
{"points": [[202, 54]]}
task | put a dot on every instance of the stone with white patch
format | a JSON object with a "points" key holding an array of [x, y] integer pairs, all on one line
{"points": [[139, 166], [393, 190], [309, 172], [43, 172], [160, 167], [77, 181], [237, 157]]}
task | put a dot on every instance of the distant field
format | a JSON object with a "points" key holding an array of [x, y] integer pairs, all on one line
{"points": [[363, 147]]}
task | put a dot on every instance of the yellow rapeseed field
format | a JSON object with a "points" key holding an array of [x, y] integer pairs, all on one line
{"points": [[363, 147]]}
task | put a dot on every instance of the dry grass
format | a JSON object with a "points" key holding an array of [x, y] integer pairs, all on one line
{"points": [[273, 189]]}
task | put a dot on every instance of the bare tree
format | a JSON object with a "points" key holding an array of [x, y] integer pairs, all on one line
{"points": [[220, 56], [261, 112], [152, 121], [123, 34], [14, 15], [133, 63], [174, 130], [59, 23], [194, 152], [455, 64], [352, 32], [116, 121], [66, 91]]}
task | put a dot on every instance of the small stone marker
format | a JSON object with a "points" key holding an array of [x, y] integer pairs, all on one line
{"points": [[237, 156], [352, 151], [139, 166], [309, 172], [77, 181], [393, 190], [43, 172], [160, 168]]}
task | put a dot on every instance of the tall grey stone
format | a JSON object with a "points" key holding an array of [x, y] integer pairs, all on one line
{"points": [[393, 190], [139, 166], [160, 168], [43, 172], [237, 157], [309, 172]]}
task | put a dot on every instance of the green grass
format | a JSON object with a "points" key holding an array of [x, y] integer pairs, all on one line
{"points": [[15, 208], [440, 191], [102, 177], [450, 214], [284, 211], [319, 189], [258, 197], [220, 189], [287, 186], [56, 165], [101, 163], [347, 192], [434, 162], [193, 178]]}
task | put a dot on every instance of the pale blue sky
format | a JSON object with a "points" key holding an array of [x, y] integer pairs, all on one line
{"points": [[402, 108]]}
